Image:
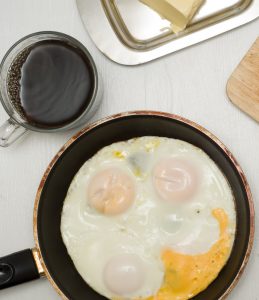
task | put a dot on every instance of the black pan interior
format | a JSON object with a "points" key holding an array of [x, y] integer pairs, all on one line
{"points": [[53, 250]]}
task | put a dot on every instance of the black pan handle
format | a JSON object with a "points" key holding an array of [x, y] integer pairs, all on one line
{"points": [[17, 268]]}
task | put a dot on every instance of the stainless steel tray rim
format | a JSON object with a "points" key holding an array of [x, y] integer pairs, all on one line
{"points": [[104, 37]]}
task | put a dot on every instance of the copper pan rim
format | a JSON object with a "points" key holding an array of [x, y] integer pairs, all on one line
{"points": [[155, 114]]}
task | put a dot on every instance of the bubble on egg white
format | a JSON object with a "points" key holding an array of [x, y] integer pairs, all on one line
{"points": [[172, 223]]}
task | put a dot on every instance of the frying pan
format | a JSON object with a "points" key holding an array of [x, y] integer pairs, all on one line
{"points": [[49, 258]]}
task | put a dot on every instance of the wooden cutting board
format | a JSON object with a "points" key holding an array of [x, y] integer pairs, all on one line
{"points": [[243, 85]]}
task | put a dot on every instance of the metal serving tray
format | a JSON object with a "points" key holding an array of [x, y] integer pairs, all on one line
{"points": [[130, 33]]}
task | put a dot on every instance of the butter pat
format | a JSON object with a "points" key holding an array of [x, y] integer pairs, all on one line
{"points": [[178, 12]]}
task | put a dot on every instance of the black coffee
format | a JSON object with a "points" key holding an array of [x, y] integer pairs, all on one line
{"points": [[51, 83]]}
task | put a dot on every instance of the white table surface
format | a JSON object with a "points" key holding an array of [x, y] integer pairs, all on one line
{"points": [[190, 83]]}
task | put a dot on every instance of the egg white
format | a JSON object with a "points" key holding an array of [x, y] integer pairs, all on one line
{"points": [[151, 223]]}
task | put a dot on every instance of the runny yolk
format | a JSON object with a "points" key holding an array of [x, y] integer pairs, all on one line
{"points": [[188, 275], [175, 179], [111, 192]]}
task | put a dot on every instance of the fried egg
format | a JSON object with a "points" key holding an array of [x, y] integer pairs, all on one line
{"points": [[149, 218]]}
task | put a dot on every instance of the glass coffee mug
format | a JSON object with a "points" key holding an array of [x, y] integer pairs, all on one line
{"points": [[18, 124]]}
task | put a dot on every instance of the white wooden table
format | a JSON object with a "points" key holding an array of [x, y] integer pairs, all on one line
{"points": [[190, 83]]}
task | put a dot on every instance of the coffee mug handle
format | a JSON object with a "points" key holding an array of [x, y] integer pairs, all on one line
{"points": [[10, 132]]}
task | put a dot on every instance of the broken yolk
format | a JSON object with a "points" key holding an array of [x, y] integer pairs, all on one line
{"points": [[188, 275]]}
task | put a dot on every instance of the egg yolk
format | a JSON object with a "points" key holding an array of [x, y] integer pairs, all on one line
{"points": [[187, 275], [124, 274], [175, 179], [111, 191]]}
